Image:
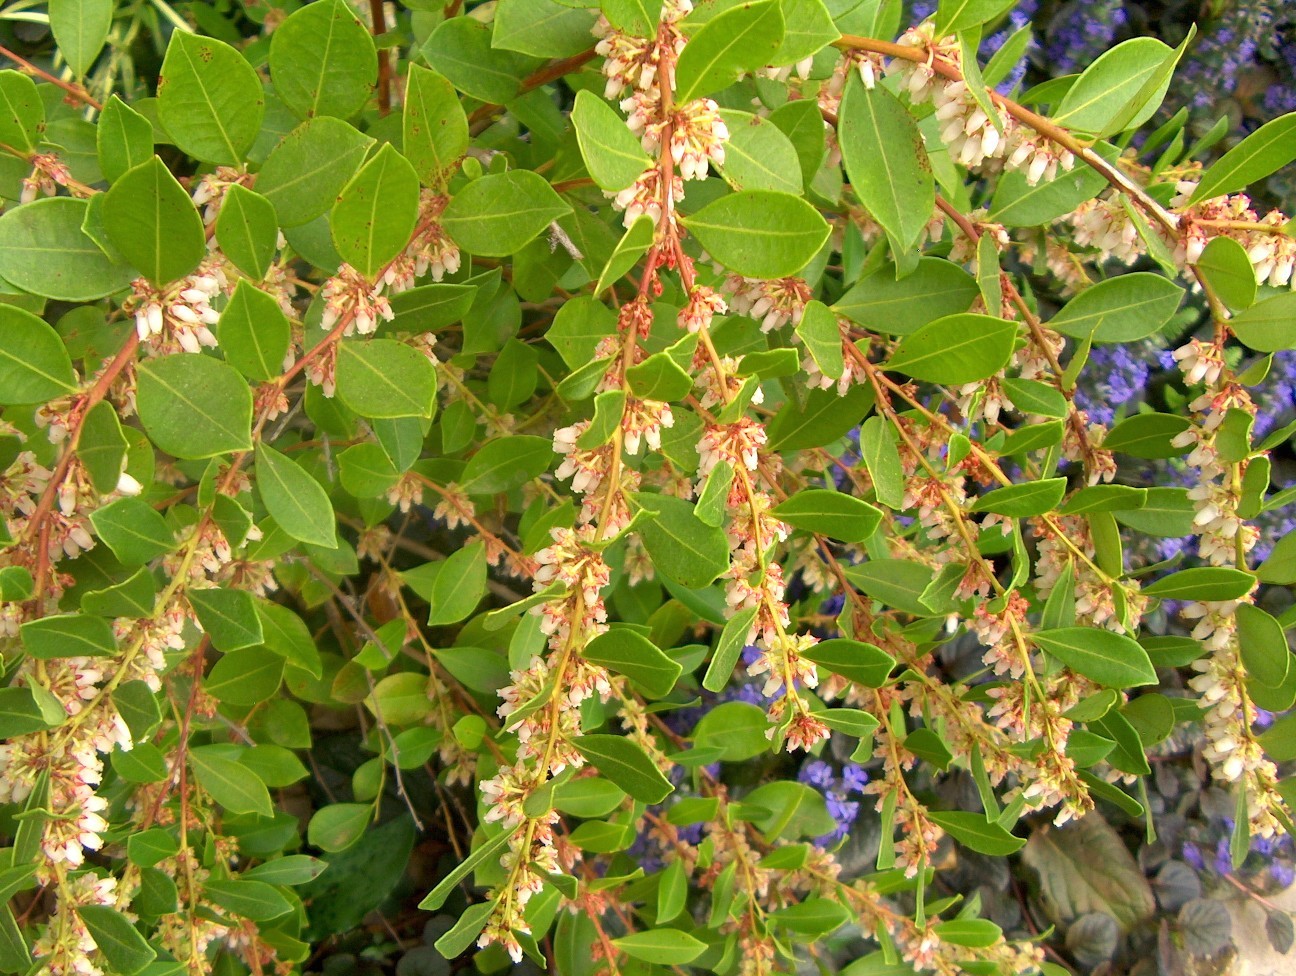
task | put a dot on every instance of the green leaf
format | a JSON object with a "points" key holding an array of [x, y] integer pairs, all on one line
{"points": [[822, 336], [974, 832], [1229, 273], [20, 713], [634, 242], [884, 157], [659, 377], [44, 251], [1010, 53], [1110, 82], [80, 28], [628, 652], [1147, 435], [459, 939], [209, 99], [121, 945], [1105, 498], [228, 616], [1122, 309], [636, 17], [290, 869], [611, 152], [68, 635], [22, 113], [760, 233], [1113, 660], [626, 765], [323, 61], [383, 378], [303, 175], [682, 547], [956, 349], [1141, 106], [1024, 500], [1215, 584], [336, 827], [1267, 327], [1265, 653], [480, 854], [247, 230], [824, 418], [249, 899], [733, 638], [34, 365], [953, 16], [739, 40], [757, 155], [542, 28], [150, 219], [881, 458], [434, 127], [808, 29], [935, 289], [245, 677], [506, 463], [254, 332], [830, 513], [500, 214], [194, 406], [294, 499], [459, 586], [376, 212], [862, 663], [460, 49], [229, 784], [1018, 203], [400, 699], [1268, 149], [123, 138], [667, 947], [134, 530]]}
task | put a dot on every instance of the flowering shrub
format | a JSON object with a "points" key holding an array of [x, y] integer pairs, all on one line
{"points": [[551, 423]]}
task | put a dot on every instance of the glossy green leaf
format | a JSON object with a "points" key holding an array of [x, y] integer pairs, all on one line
{"points": [[44, 251], [1121, 309], [123, 138], [881, 457], [133, 530], [254, 333], [323, 61], [120, 943], [757, 155], [376, 212], [68, 635], [459, 586], [541, 28], [296, 501], [1023, 500], [434, 127], [460, 48], [383, 378], [733, 638], [741, 39], [1215, 584], [862, 663], [831, 513], [194, 406], [306, 171], [209, 99], [1267, 326], [630, 653], [760, 233], [626, 765], [1108, 84], [953, 16], [22, 114], [80, 28], [885, 160], [229, 784], [1269, 148], [500, 214], [228, 616], [152, 222], [34, 365], [247, 230], [668, 947], [506, 463], [683, 548], [1112, 660], [974, 832], [956, 349], [611, 152]]}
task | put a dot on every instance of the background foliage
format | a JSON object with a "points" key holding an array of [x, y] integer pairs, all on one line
{"points": [[798, 484]]}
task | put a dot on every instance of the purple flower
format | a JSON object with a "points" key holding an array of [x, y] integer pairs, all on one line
{"points": [[1081, 31], [817, 773], [1193, 856], [1283, 873], [1114, 375], [854, 778]]}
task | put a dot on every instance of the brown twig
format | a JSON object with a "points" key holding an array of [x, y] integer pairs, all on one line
{"points": [[74, 90]]}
